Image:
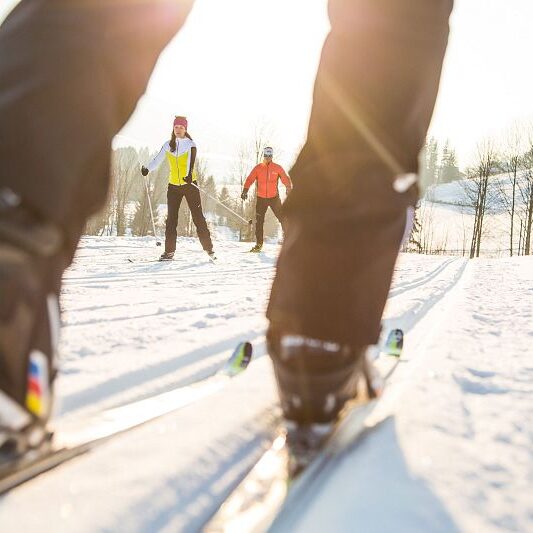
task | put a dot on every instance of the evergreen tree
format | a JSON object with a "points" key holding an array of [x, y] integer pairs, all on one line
{"points": [[449, 171], [208, 185], [429, 164]]}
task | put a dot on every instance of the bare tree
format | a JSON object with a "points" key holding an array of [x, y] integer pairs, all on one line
{"points": [[426, 220], [206, 183], [525, 185], [154, 185], [99, 222], [477, 190], [124, 168], [415, 238], [512, 164]]}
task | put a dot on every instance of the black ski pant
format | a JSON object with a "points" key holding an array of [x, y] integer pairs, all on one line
{"points": [[261, 208], [175, 195], [373, 99], [71, 73]]}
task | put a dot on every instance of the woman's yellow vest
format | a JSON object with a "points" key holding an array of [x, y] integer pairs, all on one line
{"points": [[179, 161]]}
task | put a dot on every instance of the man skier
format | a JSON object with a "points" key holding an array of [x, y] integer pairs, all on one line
{"points": [[64, 94], [266, 174]]}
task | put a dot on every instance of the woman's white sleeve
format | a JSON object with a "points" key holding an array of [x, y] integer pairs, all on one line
{"points": [[156, 161]]}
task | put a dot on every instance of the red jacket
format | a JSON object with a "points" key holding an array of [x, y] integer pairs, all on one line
{"points": [[267, 175]]}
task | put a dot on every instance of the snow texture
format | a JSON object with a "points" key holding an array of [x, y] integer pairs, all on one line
{"points": [[453, 452]]}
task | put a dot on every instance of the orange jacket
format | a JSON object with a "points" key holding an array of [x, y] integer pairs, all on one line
{"points": [[267, 175]]}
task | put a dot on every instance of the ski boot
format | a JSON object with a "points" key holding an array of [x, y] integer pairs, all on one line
{"points": [[211, 255], [17, 441], [31, 263], [166, 256], [315, 379], [256, 249]]}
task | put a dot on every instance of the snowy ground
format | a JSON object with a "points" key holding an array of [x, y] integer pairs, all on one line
{"points": [[454, 451]]}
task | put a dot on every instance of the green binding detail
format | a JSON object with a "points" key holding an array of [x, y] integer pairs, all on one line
{"points": [[239, 359], [394, 344]]}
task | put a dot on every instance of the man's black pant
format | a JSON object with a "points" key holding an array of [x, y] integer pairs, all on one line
{"points": [[175, 194], [260, 211]]}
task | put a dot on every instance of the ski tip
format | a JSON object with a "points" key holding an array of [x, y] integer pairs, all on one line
{"points": [[394, 344], [239, 360]]}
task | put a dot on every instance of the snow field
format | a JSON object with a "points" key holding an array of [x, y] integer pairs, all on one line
{"points": [[453, 451]]}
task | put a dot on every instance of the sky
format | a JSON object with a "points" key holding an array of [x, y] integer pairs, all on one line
{"points": [[251, 66]]}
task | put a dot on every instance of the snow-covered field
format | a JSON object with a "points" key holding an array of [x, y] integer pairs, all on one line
{"points": [[454, 451]]}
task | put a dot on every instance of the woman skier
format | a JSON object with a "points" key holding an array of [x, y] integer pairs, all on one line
{"points": [[180, 153]]}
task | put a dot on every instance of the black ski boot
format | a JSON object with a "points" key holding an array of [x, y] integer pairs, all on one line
{"points": [[31, 264], [315, 379], [34, 438], [166, 256]]}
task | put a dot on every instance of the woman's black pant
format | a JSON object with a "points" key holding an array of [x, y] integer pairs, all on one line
{"points": [[260, 211], [175, 194]]}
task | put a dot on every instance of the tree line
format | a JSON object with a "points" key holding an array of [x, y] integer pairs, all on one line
{"points": [[495, 198]]}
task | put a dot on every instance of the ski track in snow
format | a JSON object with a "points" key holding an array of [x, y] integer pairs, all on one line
{"points": [[454, 449], [453, 452], [157, 325]]}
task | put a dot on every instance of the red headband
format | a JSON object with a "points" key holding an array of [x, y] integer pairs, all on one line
{"points": [[180, 121]]}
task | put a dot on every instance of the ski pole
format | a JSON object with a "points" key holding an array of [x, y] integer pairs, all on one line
{"points": [[157, 241], [223, 205]]}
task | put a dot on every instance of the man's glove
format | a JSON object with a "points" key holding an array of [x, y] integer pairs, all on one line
{"points": [[244, 194], [187, 179], [144, 171]]}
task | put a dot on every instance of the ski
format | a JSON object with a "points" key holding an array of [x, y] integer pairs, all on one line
{"points": [[144, 260], [268, 496], [73, 441]]}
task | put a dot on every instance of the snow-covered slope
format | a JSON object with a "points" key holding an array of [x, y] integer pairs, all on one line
{"points": [[454, 451], [447, 217]]}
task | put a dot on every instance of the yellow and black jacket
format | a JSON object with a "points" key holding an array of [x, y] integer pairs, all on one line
{"points": [[180, 162]]}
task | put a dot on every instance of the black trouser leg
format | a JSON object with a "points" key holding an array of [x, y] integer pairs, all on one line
{"points": [[64, 94], [275, 205], [174, 197], [260, 211], [29, 325], [51, 60], [373, 99], [192, 195]]}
